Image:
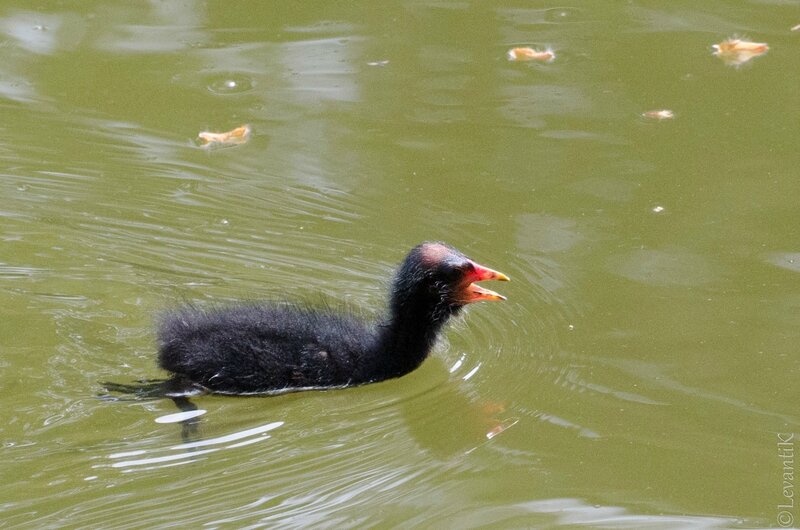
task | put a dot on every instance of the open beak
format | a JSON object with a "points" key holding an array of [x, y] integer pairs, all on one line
{"points": [[476, 293]]}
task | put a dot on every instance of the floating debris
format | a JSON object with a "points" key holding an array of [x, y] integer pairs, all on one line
{"points": [[736, 52], [384, 62], [237, 136], [530, 54], [663, 114], [796, 28]]}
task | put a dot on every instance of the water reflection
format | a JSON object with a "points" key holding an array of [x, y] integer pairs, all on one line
{"points": [[576, 512], [676, 267], [160, 28], [785, 260], [186, 451], [41, 33]]}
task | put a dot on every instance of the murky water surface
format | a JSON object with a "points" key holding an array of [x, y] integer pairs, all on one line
{"points": [[642, 374]]}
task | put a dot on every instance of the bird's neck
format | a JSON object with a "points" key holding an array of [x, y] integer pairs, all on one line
{"points": [[404, 340]]}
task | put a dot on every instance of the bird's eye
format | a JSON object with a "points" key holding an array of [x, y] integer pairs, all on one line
{"points": [[454, 274]]}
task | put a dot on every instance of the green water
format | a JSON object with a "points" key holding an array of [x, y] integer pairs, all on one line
{"points": [[642, 373]]}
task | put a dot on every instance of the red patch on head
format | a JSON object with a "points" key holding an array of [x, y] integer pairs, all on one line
{"points": [[433, 253]]}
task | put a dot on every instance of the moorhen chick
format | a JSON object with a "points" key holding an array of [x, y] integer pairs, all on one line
{"points": [[262, 348]]}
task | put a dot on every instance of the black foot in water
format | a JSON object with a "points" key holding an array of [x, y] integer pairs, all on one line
{"points": [[145, 389], [189, 426]]}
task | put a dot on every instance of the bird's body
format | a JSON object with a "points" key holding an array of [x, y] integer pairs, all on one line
{"points": [[258, 347], [268, 348]]}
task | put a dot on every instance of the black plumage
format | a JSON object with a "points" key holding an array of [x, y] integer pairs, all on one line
{"points": [[268, 348]]}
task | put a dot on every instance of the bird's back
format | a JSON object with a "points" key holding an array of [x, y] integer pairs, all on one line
{"points": [[261, 348]]}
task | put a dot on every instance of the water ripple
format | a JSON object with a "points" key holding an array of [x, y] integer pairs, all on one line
{"points": [[187, 450]]}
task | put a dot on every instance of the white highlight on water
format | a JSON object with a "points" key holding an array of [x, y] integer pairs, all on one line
{"points": [[472, 372], [188, 451], [180, 416]]}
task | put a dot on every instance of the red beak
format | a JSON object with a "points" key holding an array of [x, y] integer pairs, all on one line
{"points": [[476, 293]]}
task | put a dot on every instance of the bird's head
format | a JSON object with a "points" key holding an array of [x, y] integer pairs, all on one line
{"points": [[439, 279]]}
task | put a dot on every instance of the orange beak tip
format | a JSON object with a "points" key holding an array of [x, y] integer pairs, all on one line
{"points": [[476, 293]]}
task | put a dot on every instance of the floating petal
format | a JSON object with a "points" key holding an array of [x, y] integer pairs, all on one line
{"points": [[530, 54], [237, 136], [736, 52]]}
